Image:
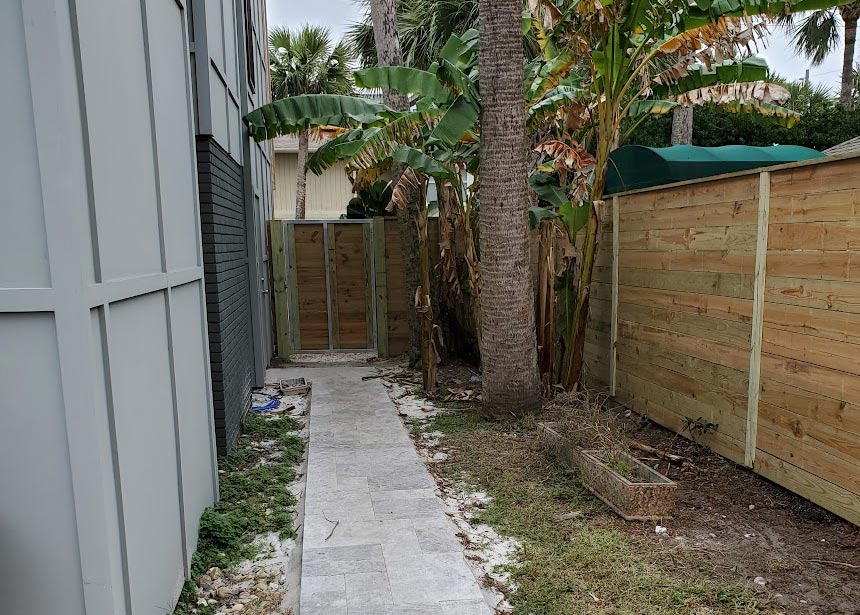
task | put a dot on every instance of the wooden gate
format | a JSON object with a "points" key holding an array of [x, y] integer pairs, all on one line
{"points": [[324, 285]]}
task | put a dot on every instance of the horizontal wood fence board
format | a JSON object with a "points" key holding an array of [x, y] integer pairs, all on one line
{"points": [[732, 213], [830, 440], [842, 266], [714, 306], [725, 284], [825, 410], [719, 261], [823, 294], [840, 356], [719, 238], [813, 179], [839, 326], [718, 352], [835, 206], [800, 452], [694, 324], [832, 497], [815, 236], [812, 378], [733, 380]]}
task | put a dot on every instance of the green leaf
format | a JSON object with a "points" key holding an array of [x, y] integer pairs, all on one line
{"points": [[527, 22], [555, 99], [575, 217], [546, 187], [295, 113], [698, 76], [402, 79], [419, 161], [539, 214], [460, 117], [650, 107]]}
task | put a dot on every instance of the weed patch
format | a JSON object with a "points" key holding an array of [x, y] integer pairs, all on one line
{"points": [[572, 564]]}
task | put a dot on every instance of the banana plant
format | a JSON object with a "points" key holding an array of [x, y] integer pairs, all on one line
{"points": [[638, 57]]}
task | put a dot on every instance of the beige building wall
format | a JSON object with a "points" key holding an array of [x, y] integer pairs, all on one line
{"points": [[327, 194]]}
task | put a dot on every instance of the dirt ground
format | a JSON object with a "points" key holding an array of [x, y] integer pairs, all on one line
{"points": [[750, 527], [804, 559]]}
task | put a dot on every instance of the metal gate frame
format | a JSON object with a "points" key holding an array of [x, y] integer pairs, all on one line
{"points": [[373, 334]]}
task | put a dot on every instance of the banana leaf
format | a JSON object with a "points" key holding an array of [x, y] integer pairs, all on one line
{"points": [[698, 76], [650, 107], [460, 117], [538, 214], [295, 113], [404, 80], [419, 161], [546, 187]]}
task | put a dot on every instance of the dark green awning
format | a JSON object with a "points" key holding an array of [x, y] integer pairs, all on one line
{"points": [[636, 166]]}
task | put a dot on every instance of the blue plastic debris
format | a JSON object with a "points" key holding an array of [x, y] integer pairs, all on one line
{"points": [[269, 406]]}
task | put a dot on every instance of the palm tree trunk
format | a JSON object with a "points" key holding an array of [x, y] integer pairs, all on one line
{"points": [[850, 15], [384, 16], [682, 125], [508, 342], [302, 174]]}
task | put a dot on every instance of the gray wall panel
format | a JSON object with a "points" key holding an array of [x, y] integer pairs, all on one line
{"points": [[37, 516], [193, 412], [22, 235], [121, 149], [170, 91], [143, 416]]}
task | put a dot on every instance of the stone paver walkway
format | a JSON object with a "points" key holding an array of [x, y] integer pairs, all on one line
{"points": [[376, 538]]}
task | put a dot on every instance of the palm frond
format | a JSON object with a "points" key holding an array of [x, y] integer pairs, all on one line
{"points": [[816, 35]]}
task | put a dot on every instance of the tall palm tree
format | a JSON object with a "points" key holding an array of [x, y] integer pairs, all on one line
{"points": [[508, 341], [305, 61], [816, 34]]}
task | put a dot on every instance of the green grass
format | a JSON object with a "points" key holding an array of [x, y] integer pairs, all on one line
{"points": [[581, 565]]}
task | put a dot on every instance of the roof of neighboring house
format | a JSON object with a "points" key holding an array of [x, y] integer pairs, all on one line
{"points": [[851, 145], [290, 144]]}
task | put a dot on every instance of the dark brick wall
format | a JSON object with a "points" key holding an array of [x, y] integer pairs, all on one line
{"points": [[225, 258]]}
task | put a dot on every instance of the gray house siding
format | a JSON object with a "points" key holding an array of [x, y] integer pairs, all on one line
{"points": [[228, 303], [107, 444], [229, 41]]}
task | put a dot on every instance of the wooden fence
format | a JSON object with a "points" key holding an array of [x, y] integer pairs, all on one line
{"points": [[338, 285], [735, 302], [725, 309]]}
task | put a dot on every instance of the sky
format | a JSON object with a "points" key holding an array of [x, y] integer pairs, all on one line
{"points": [[337, 15]]}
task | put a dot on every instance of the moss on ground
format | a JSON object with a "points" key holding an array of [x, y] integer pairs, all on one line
{"points": [[575, 565]]}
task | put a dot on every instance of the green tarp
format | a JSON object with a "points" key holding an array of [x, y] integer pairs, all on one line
{"points": [[636, 166]]}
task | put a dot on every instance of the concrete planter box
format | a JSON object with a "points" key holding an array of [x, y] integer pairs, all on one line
{"points": [[649, 497]]}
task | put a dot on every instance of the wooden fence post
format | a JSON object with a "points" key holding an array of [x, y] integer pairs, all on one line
{"points": [[331, 255], [758, 316], [380, 287], [370, 287], [292, 286], [613, 353], [279, 287]]}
